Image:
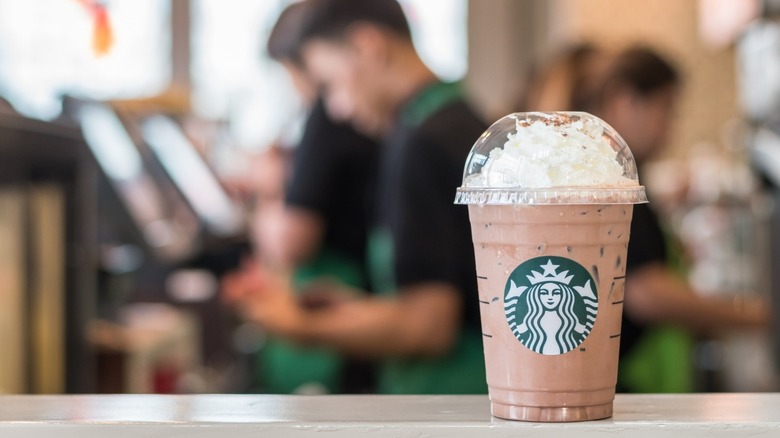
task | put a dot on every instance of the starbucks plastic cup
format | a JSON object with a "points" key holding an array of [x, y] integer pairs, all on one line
{"points": [[550, 198]]}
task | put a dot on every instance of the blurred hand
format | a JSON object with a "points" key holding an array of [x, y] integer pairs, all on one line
{"points": [[247, 279], [264, 297], [321, 294]]}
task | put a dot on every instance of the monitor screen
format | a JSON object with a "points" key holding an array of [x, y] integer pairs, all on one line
{"points": [[164, 227], [192, 175]]}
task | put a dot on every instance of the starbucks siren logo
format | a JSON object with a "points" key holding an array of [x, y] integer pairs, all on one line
{"points": [[550, 304]]}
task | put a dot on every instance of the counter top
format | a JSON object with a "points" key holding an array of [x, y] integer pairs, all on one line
{"points": [[693, 415]]}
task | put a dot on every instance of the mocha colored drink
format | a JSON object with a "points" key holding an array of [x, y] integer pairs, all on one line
{"points": [[550, 256], [569, 307]]}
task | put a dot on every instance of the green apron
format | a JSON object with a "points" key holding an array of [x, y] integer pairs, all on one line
{"points": [[659, 363], [661, 360], [286, 368]]}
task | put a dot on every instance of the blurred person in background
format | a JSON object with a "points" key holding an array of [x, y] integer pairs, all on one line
{"points": [[316, 231], [638, 98], [424, 323], [567, 81], [636, 92]]}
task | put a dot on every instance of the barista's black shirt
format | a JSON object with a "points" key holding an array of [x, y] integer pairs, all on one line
{"points": [[422, 166], [420, 236], [647, 245], [330, 174]]}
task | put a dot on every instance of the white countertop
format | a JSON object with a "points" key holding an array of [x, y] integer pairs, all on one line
{"points": [[227, 416]]}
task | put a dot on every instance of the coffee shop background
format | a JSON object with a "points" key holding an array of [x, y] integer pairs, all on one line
{"points": [[125, 117]]}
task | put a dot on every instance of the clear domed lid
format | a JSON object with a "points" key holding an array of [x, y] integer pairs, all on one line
{"points": [[550, 158]]}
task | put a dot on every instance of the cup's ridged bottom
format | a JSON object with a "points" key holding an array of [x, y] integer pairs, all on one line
{"points": [[551, 414]]}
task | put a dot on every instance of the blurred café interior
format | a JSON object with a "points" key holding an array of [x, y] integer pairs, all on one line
{"points": [[138, 141]]}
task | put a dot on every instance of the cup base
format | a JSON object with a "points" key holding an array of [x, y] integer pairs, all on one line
{"points": [[551, 414]]}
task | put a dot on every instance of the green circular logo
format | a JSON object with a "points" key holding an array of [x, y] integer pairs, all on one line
{"points": [[551, 304]]}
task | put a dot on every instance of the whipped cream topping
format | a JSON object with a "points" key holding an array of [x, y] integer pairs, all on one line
{"points": [[552, 153]]}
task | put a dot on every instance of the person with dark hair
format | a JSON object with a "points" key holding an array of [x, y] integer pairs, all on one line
{"points": [[637, 98], [332, 20], [283, 44], [318, 232], [424, 326], [326, 197], [568, 81]]}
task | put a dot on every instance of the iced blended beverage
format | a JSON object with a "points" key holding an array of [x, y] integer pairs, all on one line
{"points": [[550, 198]]}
